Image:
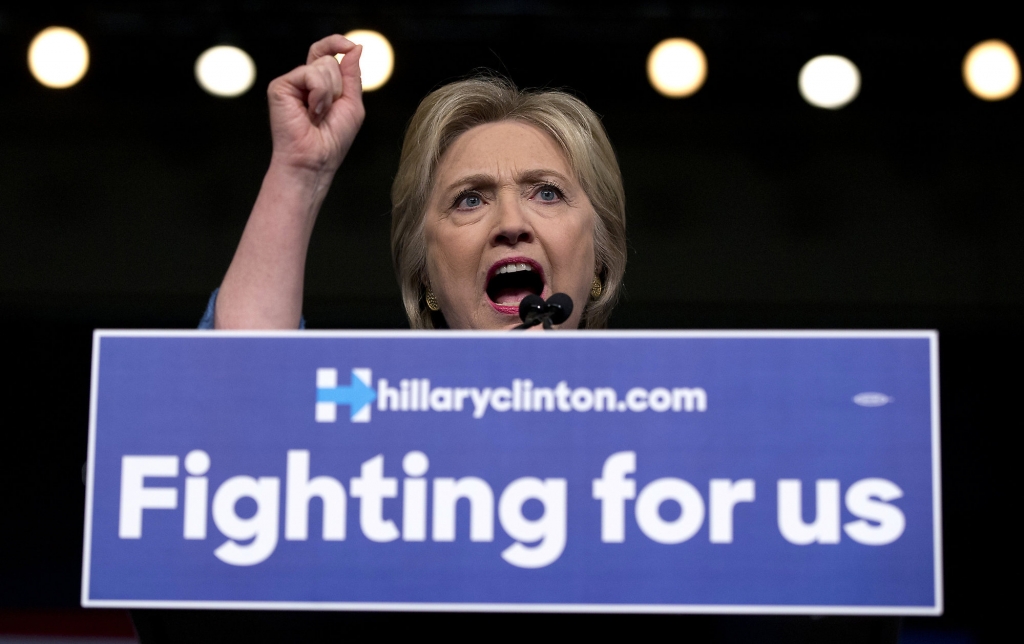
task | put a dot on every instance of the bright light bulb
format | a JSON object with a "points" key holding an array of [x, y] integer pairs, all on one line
{"points": [[677, 67], [58, 57], [830, 82], [991, 70], [225, 71], [377, 60]]}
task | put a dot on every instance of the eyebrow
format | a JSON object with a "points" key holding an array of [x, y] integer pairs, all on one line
{"points": [[488, 181]]}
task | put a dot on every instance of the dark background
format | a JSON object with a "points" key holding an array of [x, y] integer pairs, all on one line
{"points": [[122, 199]]}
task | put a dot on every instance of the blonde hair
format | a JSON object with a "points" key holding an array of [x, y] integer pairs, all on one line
{"points": [[457, 107]]}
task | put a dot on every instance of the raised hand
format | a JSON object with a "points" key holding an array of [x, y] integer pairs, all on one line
{"points": [[315, 112], [317, 109]]}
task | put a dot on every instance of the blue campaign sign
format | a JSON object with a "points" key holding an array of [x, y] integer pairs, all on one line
{"points": [[746, 472]]}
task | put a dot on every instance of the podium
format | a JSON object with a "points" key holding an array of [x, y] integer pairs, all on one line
{"points": [[617, 472]]}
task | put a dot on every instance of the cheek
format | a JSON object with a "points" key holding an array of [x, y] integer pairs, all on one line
{"points": [[452, 255], [575, 242], [582, 253]]}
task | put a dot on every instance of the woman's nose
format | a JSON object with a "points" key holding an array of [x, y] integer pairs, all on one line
{"points": [[513, 224]]}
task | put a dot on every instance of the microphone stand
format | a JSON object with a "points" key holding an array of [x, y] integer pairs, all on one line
{"points": [[533, 319]]}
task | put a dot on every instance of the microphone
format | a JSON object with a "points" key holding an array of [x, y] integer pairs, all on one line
{"points": [[533, 310], [532, 306], [560, 306]]}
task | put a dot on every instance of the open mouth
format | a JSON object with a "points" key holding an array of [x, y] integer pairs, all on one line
{"points": [[512, 279]]}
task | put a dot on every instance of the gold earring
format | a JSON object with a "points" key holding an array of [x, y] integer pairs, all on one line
{"points": [[432, 300], [596, 288]]}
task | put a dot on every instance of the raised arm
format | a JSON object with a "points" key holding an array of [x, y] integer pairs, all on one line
{"points": [[315, 112]]}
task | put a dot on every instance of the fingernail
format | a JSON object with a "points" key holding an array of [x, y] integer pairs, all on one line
{"points": [[319, 108]]}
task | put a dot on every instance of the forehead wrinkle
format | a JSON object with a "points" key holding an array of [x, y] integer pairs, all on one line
{"points": [[505, 166]]}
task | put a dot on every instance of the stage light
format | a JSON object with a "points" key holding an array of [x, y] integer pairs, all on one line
{"points": [[677, 67], [991, 70], [225, 71], [378, 59], [58, 57], [830, 82]]}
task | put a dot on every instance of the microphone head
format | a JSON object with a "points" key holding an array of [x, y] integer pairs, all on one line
{"points": [[560, 306], [531, 304]]}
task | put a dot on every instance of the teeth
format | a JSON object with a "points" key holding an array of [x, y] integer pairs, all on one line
{"points": [[513, 268]]}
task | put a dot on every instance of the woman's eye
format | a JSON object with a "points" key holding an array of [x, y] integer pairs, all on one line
{"points": [[470, 201], [548, 194]]}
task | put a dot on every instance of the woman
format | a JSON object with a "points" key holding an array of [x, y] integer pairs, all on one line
{"points": [[498, 194]]}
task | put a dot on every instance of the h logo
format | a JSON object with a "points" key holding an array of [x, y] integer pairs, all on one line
{"points": [[358, 395]]}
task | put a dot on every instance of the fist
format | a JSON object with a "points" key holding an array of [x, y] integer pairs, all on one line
{"points": [[316, 110]]}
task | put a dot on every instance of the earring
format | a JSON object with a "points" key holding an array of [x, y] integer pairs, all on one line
{"points": [[432, 300], [596, 288]]}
